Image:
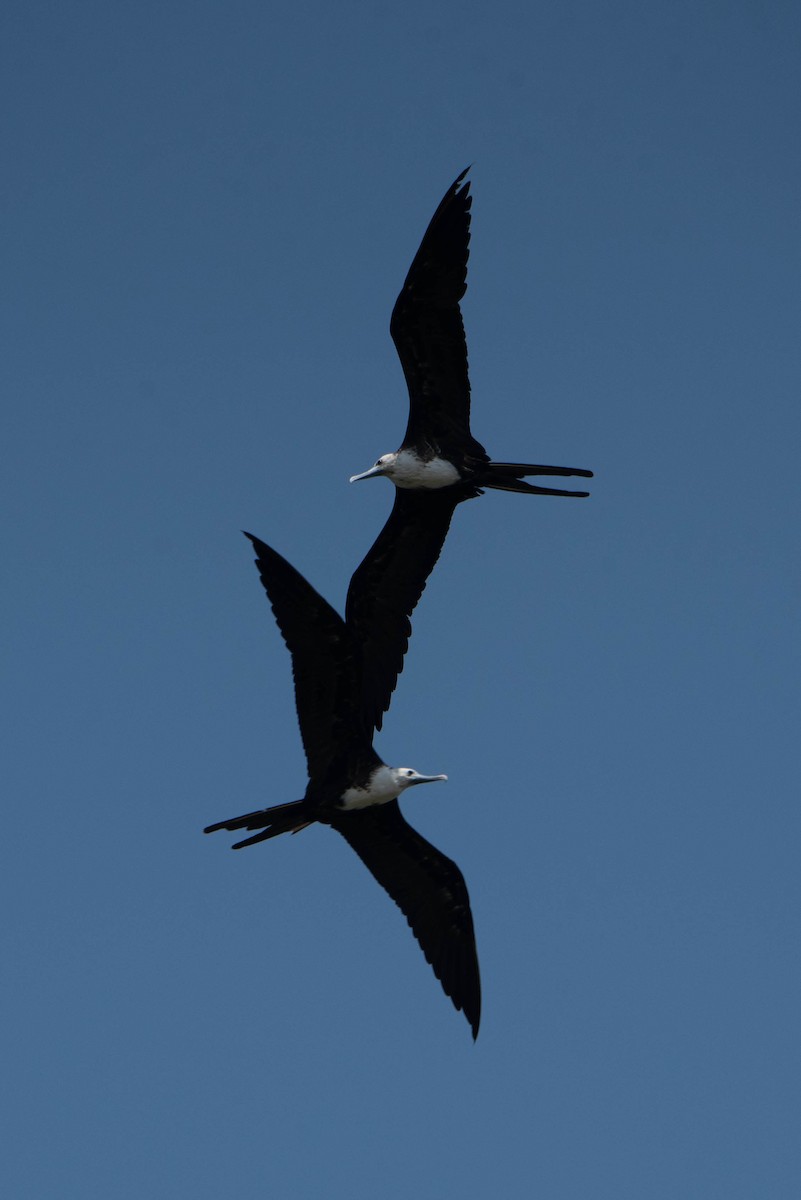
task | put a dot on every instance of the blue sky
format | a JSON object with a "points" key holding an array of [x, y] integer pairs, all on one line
{"points": [[208, 210]]}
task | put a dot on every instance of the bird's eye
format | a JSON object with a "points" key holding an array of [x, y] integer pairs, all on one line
{"points": [[408, 774]]}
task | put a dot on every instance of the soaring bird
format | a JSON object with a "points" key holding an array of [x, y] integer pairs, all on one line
{"points": [[344, 673], [438, 450]]}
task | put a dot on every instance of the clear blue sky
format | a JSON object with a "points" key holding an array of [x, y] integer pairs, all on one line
{"points": [[208, 210]]}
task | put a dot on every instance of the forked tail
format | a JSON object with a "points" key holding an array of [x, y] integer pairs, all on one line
{"points": [[283, 818], [508, 477]]}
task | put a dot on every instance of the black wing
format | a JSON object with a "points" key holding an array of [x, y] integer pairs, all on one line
{"points": [[430, 891], [324, 666], [387, 585], [427, 328]]}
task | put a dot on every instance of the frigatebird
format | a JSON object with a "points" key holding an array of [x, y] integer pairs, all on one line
{"points": [[344, 673], [438, 449]]}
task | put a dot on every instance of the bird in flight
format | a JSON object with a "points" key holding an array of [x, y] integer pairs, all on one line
{"points": [[344, 673], [438, 450]]}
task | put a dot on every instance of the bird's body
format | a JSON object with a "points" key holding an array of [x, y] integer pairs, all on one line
{"points": [[344, 677], [438, 449], [411, 469]]}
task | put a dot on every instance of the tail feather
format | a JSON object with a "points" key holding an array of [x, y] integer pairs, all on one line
{"points": [[519, 485], [518, 469], [282, 818], [507, 477]]}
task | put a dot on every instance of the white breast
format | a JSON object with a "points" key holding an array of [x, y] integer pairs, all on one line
{"points": [[410, 471], [381, 788]]}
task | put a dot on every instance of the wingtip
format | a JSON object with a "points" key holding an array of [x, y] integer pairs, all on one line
{"points": [[261, 548], [461, 184], [474, 1021]]}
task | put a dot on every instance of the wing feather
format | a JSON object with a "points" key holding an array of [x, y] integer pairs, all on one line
{"points": [[427, 328], [430, 891], [387, 585], [324, 662]]}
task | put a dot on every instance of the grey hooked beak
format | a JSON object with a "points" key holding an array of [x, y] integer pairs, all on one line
{"points": [[428, 778], [376, 470]]}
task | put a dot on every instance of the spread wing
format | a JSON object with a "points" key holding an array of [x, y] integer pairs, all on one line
{"points": [[431, 893], [324, 664], [427, 328], [388, 584]]}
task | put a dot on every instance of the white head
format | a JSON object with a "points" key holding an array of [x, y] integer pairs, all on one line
{"points": [[384, 466], [405, 777]]}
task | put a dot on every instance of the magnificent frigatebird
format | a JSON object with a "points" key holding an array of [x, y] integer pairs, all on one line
{"points": [[438, 449], [344, 674]]}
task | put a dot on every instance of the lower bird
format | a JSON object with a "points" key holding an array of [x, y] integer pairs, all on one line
{"points": [[350, 788]]}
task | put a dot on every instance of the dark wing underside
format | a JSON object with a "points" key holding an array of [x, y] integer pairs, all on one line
{"points": [[388, 584], [324, 667], [430, 891], [428, 332]]}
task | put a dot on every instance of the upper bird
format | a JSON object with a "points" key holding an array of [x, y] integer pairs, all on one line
{"points": [[341, 680], [438, 449]]}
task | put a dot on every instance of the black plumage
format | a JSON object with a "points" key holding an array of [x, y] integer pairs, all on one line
{"points": [[344, 673], [428, 332], [386, 587]]}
